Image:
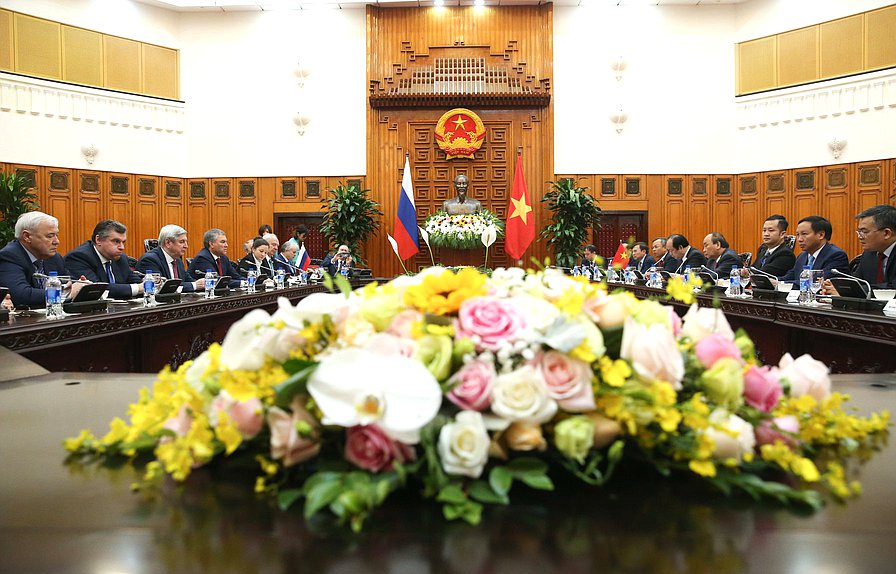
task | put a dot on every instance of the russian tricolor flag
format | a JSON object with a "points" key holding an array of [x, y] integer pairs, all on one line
{"points": [[302, 259], [406, 222]]}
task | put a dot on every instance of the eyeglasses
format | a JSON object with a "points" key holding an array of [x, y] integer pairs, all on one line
{"points": [[862, 233]]}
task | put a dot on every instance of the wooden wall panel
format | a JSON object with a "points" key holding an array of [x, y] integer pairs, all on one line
{"points": [[675, 201], [59, 203], [174, 200], [246, 220], [805, 199], [120, 204], [198, 213], [777, 188], [148, 205], [91, 208], [223, 215], [837, 205], [722, 199], [749, 211], [699, 210]]}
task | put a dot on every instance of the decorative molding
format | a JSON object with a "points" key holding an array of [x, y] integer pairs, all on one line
{"points": [[608, 186], [723, 186], [775, 183], [173, 189], [698, 186], [312, 188], [748, 185], [288, 188], [632, 186], [247, 189], [119, 185], [869, 175], [146, 187], [197, 190], [674, 186], [90, 183], [865, 93], [198, 344], [836, 178], [75, 103], [805, 180], [59, 181], [222, 189]]}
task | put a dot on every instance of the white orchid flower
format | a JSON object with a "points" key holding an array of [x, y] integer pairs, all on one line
{"points": [[358, 387]]}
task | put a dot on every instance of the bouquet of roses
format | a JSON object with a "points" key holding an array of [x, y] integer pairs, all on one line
{"points": [[463, 385], [461, 231]]}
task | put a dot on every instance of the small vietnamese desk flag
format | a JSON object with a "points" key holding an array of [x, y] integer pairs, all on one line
{"points": [[520, 228], [406, 220], [621, 257]]}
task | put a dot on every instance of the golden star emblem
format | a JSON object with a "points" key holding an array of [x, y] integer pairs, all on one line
{"points": [[460, 123], [520, 209]]}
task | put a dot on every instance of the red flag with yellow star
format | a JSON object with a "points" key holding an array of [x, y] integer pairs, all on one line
{"points": [[621, 258], [520, 230]]}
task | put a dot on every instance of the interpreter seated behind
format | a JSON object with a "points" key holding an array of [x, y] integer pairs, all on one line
{"points": [[461, 205]]}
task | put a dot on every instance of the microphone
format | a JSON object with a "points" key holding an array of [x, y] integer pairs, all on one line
{"points": [[710, 271], [285, 262], [761, 272], [866, 287]]}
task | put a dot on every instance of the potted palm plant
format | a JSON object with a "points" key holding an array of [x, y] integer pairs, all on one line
{"points": [[350, 218], [16, 198], [574, 213]]}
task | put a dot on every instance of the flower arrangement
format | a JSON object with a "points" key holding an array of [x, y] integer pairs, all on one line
{"points": [[465, 385], [461, 231]]}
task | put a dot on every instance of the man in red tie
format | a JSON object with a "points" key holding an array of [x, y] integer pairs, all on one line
{"points": [[167, 258], [213, 255], [877, 233]]}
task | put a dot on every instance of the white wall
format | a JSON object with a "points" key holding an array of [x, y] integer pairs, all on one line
{"points": [[677, 89]]}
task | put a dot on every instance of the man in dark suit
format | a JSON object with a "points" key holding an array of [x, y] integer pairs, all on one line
{"points": [[641, 260], [283, 259], [664, 261], [33, 251], [813, 235], [213, 255], [167, 258], [677, 245], [101, 260], [877, 234], [721, 259], [334, 264], [774, 257]]}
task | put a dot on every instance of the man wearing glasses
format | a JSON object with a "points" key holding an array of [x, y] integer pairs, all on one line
{"points": [[877, 233]]}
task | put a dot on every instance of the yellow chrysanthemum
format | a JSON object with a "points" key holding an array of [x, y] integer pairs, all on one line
{"points": [[703, 467], [444, 293], [614, 373]]}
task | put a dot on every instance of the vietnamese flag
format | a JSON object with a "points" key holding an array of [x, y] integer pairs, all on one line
{"points": [[621, 258], [520, 227]]}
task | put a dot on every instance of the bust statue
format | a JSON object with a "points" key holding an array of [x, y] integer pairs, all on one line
{"points": [[461, 205]]}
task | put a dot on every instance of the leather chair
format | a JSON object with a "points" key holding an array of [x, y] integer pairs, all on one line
{"points": [[150, 244], [745, 258], [854, 264], [790, 241]]}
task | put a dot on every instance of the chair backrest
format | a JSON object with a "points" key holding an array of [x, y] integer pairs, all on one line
{"points": [[150, 244], [745, 258], [790, 241], [854, 264], [132, 263]]}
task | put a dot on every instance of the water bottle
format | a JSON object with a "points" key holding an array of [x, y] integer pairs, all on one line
{"points": [[251, 276], [587, 273], [651, 277], [734, 288], [149, 289], [687, 273], [53, 292], [209, 284], [345, 270], [806, 295], [280, 277], [576, 271], [629, 276]]}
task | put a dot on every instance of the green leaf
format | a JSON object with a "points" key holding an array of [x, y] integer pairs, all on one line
{"points": [[294, 385], [451, 511], [320, 495], [540, 482], [527, 465], [452, 494], [481, 491], [471, 512], [500, 480], [288, 497]]}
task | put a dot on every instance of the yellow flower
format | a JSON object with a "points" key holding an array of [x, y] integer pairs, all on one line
{"points": [[703, 467], [75, 444], [680, 291], [443, 294], [614, 373], [267, 466], [668, 419], [227, 433]]}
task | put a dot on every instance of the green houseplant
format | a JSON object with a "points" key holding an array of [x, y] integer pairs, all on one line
{"points": [[574, 214], [350, 218], [16, 198]]}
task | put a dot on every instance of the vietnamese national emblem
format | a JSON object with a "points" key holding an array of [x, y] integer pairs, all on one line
{"points": [[460, 133]]}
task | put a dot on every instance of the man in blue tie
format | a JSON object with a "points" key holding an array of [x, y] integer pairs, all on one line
{"points": [[813, 235], [641, 260], [102, 260], [33, 251], [774, 257]]}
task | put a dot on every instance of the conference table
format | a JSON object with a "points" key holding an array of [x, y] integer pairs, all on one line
{"points": [[71, 517], [845, 340]]}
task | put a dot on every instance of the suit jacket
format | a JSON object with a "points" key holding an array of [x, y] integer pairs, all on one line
{"points": [[830, 258], [778, 263], [154, 260], [204, 261], [723, 265], [332, 266], [248, 262], [281, 262], [868, 270], [83, 260], [668, 263], [17, 274], [694, 258], [644, 264]]}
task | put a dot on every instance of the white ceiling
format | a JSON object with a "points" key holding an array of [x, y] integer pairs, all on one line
{"points": [[264, 5]]}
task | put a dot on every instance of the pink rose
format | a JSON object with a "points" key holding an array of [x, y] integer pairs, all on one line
{"points": [[762, 389], [489, 321], [386, 344], [246, 415], [806, 376], [608, 311], [713, 347], [473, 386], [403, 324], [783, 429], [286, 440], [653, 352], [369, 448], [568, 381], [180, 423], [675, 319]]}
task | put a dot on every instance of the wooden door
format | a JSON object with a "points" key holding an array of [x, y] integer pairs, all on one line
{"points": [[315, 243], [615, 226]]}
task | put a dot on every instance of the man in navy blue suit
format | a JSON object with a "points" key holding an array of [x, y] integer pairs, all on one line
{"points": [[813, 235], [33, 251], [664, 261], [720, 257], [877, 233], [213, 255], [102, 260], [641, 260], [678, 247], [167, 258], [774, 257]]}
